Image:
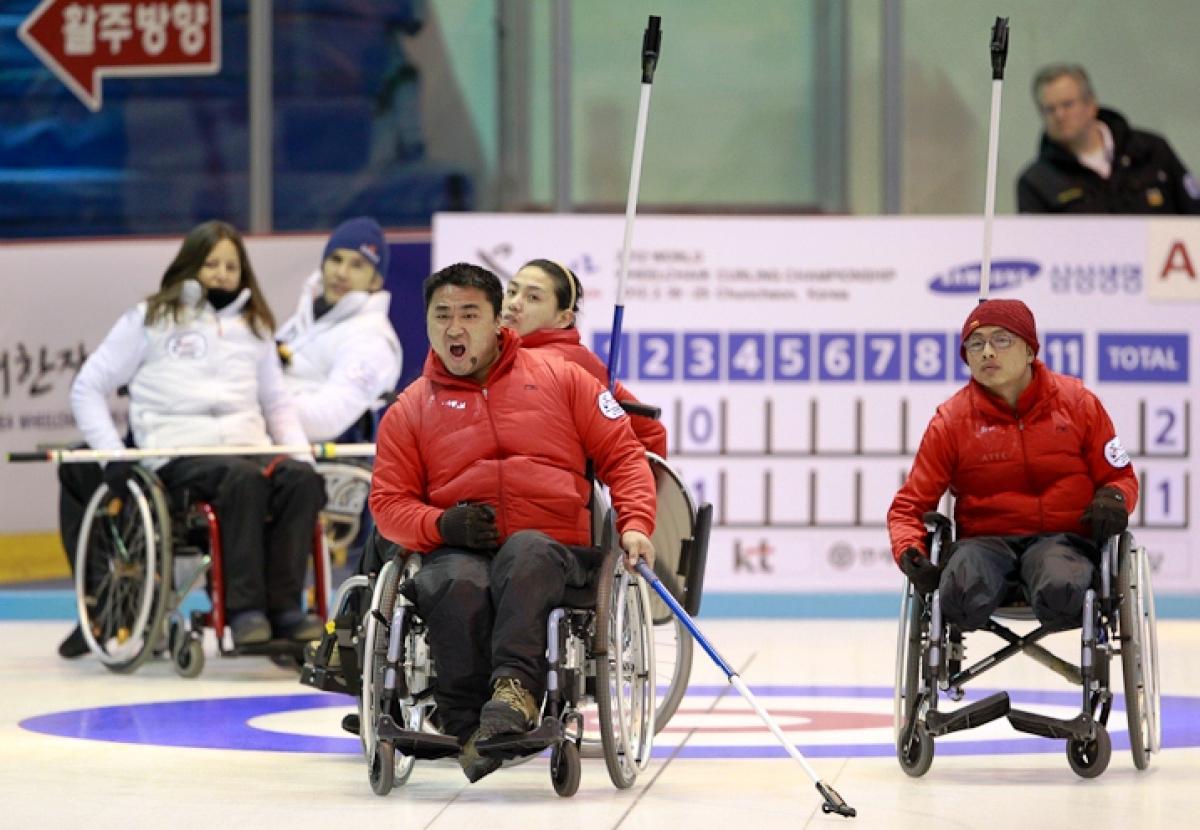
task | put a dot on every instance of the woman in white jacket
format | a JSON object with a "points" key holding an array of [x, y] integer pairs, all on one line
{"points": [[201, 368]]}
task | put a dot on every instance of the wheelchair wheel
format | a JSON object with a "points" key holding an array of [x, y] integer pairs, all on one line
{"points": [[919, 757], [189, 660], [380, 754], [123, 573], [673, 648], [916, 759], [625, 686], [1139, 653], [676, 537], [565, 768], [382, 770], [186, 650], [1089, 758], [908, 659], [347, 486]]}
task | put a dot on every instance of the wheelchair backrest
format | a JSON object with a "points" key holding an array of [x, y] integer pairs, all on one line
{"points": [[680, 540]]}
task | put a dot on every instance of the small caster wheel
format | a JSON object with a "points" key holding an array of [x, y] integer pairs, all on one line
{"points": [[189, 658], [919, 757], [1089, 758], [565, 769], [382, 771]]}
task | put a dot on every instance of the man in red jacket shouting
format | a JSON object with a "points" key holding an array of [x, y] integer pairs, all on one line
{"points": [[1038, 474], [481, 467]]}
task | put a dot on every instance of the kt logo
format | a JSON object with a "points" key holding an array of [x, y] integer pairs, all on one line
{"points": [[753, 558]]}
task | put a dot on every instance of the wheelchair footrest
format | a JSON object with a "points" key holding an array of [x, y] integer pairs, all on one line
{"points": [[287, 648], [1079, 727], [423, 745], [323, 679], [550, 732], [968, 717]]}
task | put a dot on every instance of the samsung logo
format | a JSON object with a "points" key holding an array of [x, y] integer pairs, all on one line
{"points": [[1005, 274]]}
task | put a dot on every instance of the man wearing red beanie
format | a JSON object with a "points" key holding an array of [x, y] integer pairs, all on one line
{"points": [[1038, 475]]}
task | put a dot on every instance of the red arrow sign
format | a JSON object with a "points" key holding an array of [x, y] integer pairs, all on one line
{"points": [[84, 41]]}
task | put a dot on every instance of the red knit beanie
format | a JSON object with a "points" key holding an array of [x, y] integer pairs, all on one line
{"points": [[1012, 315]]}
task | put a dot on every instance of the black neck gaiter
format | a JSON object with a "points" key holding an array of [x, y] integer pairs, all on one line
{"points": [[219, 297], [321, 306]]}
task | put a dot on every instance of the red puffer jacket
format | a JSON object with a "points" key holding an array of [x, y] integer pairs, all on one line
{"points": [[1013, 473], [519, 442], [566, 344]]}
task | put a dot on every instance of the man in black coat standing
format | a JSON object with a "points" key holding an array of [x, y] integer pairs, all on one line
{"points": [[1092, 161]]}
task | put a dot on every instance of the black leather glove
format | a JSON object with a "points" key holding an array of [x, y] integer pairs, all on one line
{"points": [[923, 574], [117, 475], [470, 526], [1107, 515]]}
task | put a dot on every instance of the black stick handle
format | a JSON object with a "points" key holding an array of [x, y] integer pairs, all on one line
{"points": [[17, 457], [999, 47], [643, 409], [651, 45]]}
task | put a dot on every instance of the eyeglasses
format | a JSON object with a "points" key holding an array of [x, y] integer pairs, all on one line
{"points": [[1000, 341]]}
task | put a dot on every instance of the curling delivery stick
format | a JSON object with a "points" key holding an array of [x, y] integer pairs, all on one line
{"points": [[317, 451], [651, 44], [999, 50], [831, 801]]}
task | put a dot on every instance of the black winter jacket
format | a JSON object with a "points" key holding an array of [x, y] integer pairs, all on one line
{"points": [[1147, 177]]}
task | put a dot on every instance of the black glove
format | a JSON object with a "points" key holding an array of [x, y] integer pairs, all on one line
{"points": [[1106, 515], [117, 475], [470, 526], [923, 574]]}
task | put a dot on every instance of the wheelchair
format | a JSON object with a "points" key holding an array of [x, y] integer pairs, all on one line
{"points": [[599, 645], [347, 486], [604, 649], [138, 557], [1118, 620]]}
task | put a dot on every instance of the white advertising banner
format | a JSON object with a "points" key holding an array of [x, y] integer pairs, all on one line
{"points": [[797, 361], [59, 300]]}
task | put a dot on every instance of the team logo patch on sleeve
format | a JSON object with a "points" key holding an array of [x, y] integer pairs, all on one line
{"points": [[609, 407], [1115, 453]]}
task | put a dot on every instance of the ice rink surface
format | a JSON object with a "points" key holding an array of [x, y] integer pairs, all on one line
{"points": [[246, 745]]}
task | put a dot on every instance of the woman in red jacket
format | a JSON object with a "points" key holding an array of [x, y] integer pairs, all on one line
{"points": [[541, 303], [1038, 474]]}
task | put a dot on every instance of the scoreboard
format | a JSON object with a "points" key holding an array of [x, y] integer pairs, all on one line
{"points": [[798, 361]]}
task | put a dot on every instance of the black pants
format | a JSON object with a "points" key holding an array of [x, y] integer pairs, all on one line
{"points": [[1055, 570], [487, 618], [76, 482], [376, 553], [267, 515]]}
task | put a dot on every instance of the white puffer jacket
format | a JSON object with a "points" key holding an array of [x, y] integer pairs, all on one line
{"points": [[204, 380], [342, 363]]}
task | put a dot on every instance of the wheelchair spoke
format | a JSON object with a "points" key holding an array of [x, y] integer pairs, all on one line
{"points": [[114, 535], [118, 618], [103, 623], [132, 601]]}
